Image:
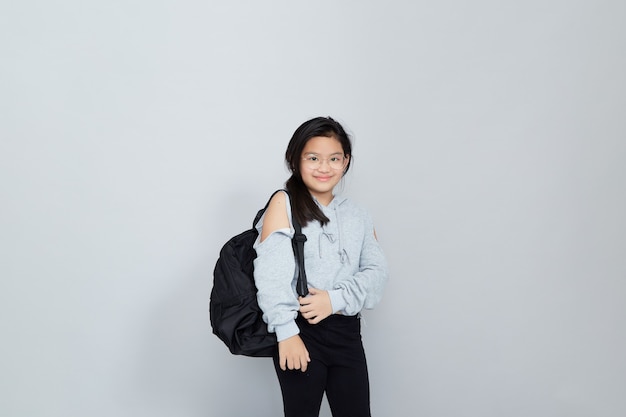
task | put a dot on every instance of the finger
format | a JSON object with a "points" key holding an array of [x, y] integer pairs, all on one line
{"points": [[283, 363], [307, 359], [306, 310]]}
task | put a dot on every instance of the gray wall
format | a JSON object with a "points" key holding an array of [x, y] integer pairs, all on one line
{"points": [[490, 140]]}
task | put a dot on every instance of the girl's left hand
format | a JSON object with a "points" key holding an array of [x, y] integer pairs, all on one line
{"points": [[316, 306]]}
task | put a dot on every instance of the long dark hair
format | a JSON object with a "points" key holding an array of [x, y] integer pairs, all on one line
{"points": [[305, 208]]}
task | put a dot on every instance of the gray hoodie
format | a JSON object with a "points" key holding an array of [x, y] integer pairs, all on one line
{"points": [[342, 257]]}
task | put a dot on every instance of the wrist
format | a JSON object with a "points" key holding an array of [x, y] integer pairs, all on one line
{"points": [[287, 330]]}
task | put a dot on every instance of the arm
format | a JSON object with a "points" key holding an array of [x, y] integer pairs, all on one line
{"points": [[364, 289], [274, 270]]}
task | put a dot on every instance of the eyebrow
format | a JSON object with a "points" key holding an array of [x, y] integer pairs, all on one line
{"points": [[317, 154]]}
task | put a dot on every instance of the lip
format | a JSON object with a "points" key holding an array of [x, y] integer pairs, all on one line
{"points": [[323, 179]]}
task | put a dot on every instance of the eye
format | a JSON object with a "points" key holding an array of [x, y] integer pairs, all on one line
{"points": [[335, 159], [312, 158]]}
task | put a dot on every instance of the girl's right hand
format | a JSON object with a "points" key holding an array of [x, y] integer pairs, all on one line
{"points": [[292, 354]]}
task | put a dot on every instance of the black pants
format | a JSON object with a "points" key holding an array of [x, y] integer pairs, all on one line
{"points": [[337, 367]]}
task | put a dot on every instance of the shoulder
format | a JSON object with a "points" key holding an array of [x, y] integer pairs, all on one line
{"points": [[279, 205], [356, 217], [279, 199], [354, 208], [275, 216]]}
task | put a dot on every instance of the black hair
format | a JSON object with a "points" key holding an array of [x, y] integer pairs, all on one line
{"points": [[305, 208]]}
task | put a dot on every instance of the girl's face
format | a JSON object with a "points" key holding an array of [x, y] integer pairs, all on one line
{"points": [[321, 165]]}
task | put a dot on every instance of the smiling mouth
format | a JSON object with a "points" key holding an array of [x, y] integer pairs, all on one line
{"points": [[323, 179]]}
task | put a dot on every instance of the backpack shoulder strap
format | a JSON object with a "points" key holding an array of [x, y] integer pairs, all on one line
{"points": [[297, 244]]}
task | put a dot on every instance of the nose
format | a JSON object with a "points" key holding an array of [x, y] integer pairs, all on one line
{"points": [[324, 165]]}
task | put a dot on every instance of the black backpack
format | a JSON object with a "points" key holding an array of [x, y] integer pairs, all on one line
{"points": [[234, 313]]}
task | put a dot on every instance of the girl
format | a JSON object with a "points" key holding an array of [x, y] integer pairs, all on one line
{"points": [[319, 336]]}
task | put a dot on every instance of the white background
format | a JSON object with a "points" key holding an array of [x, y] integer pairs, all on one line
{"points": [[489, 145]]}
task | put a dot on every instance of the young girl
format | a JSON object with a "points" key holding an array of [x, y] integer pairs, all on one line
{"points": [[319, 336]]}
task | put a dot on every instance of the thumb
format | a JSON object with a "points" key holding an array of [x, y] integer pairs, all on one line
{"points": [[313, 291]]}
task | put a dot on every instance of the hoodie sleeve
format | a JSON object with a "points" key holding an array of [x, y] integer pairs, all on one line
{"points": [[274, 272], [363, 289]]}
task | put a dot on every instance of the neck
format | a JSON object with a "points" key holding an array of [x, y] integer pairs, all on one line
{"points": [[324, 199]]}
